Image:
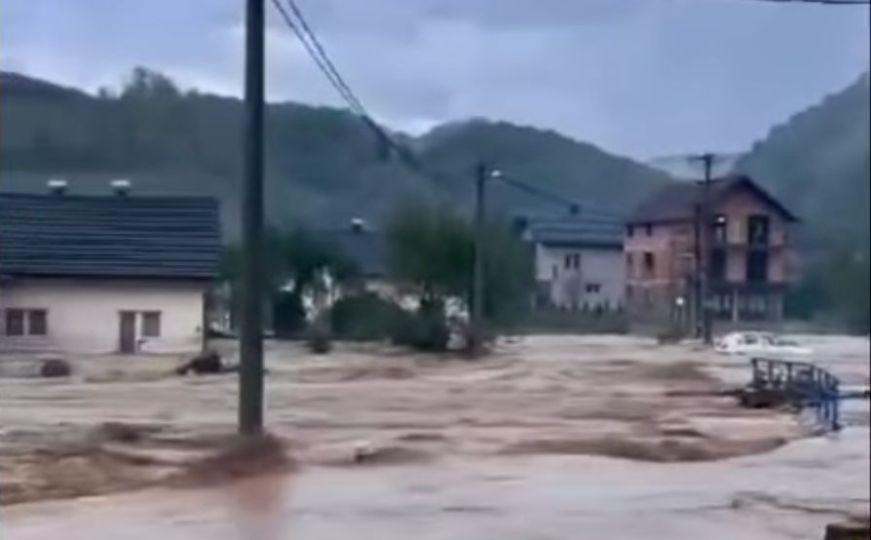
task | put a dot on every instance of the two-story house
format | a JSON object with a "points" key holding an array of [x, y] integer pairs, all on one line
{"points": [[743, 253], [578, 261]]}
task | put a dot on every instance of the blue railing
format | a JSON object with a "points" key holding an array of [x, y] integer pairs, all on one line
{"points": [[801, 384]]}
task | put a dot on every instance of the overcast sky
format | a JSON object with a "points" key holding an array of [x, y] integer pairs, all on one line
{"points": [[638, 77]]}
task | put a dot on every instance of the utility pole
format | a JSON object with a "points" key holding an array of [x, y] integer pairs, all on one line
{"points": [[703, 248], [251, 335], [477, 321]]}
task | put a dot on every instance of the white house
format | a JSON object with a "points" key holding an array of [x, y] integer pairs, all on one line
{"points": [[106, 274], [578, 262]]}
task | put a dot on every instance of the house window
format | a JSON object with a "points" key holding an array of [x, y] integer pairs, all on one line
{"points": [[151, 324], [572, 260], [593, 287], [648, 229], [26, 322], [37, 322], [630, 230], [757, 230], [630, 269], [567, 262], [14, 322], [649, 264]]}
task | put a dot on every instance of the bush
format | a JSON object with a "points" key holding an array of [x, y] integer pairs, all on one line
{"points": [[365, 317], [425, 330]]}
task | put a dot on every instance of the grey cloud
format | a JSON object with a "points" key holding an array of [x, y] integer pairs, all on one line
{"points": [[642, 77]]}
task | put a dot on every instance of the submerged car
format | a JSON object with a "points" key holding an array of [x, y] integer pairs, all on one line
{"points": [[759, 343]]}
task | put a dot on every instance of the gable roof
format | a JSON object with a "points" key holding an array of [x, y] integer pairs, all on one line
{"points": [[575, 231], [677, 201], [109, 237]]}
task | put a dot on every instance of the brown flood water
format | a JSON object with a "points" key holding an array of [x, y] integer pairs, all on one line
{"points": [[520, 446]]}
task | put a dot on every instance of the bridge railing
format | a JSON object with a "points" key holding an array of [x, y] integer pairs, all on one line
{"points": [[802, 384]]}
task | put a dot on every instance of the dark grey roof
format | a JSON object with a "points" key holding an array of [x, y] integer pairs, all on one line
{"points": [[111, 236], [677, 201], [367, 249], [576, 231]]}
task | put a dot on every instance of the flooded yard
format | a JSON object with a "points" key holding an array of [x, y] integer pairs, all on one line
{"points": [[549, 438]]}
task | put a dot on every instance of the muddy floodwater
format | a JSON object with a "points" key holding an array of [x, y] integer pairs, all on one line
{"points": [[552, 437]]}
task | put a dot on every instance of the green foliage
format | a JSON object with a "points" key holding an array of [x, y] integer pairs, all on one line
{"points": [[425, 330], [818, 164], [323, 165], [434, 250], [836, 289], [365, 317]]}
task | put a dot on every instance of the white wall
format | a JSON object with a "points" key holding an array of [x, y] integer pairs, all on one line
{"points": [[600, 266], [83, 315]]}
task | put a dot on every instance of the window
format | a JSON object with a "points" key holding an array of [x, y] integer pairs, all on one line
{"points": [[572, 260], [593, 287], [37, 322], [14, 322], [630, 270], [649, 264], [26, 322], [151, 324], [648, 229], [757, 230], [630, 230]]}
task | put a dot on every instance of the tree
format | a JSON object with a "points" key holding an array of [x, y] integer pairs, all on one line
{"points": [[433, 249]]}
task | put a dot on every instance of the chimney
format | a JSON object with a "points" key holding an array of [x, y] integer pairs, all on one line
{"points": [[121, 187], [57, 186], [358, 225]]}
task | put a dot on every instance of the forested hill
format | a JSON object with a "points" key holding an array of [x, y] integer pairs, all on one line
{"points": [[818, 163], [324, 165]]}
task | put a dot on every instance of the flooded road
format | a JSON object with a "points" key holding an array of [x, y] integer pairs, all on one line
{"points": [[551, 438], [790, 493]]}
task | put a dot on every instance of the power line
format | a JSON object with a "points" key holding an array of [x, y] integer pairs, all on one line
{"points": [[318, 54], [336, 84]]}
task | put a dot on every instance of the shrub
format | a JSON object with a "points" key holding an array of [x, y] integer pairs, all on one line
{"points": [[425, 330], [365, 317]]}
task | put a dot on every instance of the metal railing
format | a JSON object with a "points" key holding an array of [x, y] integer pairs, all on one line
{"points": [[800, 384]]}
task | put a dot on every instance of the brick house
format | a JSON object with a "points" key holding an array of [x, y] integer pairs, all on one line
{"points": [[747, 253]]}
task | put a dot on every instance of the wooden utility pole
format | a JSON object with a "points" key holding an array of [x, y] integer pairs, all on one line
{"points": [[477, 319], [703, 249], [251, 334]]}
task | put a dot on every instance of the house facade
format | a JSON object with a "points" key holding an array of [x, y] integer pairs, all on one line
{"points": [[578, 262], [744, 251], [109, 274]]}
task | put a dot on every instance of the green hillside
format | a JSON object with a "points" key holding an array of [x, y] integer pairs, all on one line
{"points": [[818, 163], [324, 165]]}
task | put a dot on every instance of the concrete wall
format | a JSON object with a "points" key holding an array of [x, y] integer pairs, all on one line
{"points": [[83, 316], [600, 267]]}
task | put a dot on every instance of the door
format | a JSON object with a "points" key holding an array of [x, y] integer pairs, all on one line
{"points": [[127, 332]]}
